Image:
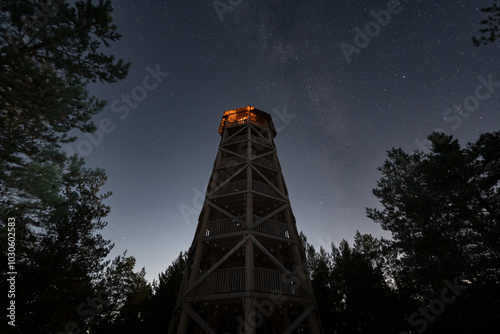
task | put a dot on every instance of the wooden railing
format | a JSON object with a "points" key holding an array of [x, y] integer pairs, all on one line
{"points": [[238, 160], [242, 138], [245, 121], [232, 187], [260, 140], [264, 162], [223, 226], [242, 185], [228, 225], [273, 227], [232, 161], [236, 139], [233, 280], [269, 280], [222, 280], [264, 188]]}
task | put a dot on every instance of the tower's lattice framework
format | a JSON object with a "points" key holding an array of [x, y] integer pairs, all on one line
{"points": [[246, 271]]}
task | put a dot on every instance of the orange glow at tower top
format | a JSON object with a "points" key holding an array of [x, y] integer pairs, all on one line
{"points": [[244, 115]]}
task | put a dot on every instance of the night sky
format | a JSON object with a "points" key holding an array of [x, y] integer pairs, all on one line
{"points": [[338, 107]]}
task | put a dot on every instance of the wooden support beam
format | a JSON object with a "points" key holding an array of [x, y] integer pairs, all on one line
{"points": [[221, 210], [235, 134], [183, 321], [275, 237], [263, 219], [233, 153], [269, 183], [227, 181], [299, 320], [249, 285], [198, 319], [224, 258], [271, 256], [263, 154], [278, 199], [261, 135], [314, 324]]}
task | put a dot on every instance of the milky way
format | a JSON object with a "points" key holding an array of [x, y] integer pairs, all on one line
{"points": [[337, 114]]}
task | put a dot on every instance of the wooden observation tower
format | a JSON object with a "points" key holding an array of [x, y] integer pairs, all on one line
{"points": [[246, 269]]}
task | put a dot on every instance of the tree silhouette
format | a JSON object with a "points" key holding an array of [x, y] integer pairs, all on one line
{"points": [[58, 260], [49, 52], [490, 30], [352, 292], [163, 301], [443, 209], [127, 296], [48, 55]]}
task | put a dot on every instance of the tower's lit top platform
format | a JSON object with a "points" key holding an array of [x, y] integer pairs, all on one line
{"points": [[245, 115]]}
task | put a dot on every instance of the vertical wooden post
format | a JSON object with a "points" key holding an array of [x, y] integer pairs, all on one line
{"points": [[183, 322], [312, 322], [196, 264], [285, 307], [249, 251], [173, 323], [286, 315], [249, 318]]}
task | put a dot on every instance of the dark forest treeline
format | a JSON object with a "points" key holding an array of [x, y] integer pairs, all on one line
{"points": [[438, 274]]}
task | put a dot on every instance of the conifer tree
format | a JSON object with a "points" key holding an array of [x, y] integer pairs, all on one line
{"points": [[49, 52], [443, 209]]}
